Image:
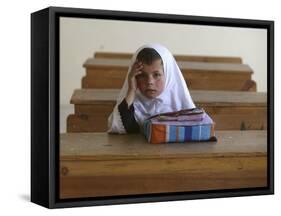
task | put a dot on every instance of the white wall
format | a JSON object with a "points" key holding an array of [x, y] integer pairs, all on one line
{"points": [[80, 38]]}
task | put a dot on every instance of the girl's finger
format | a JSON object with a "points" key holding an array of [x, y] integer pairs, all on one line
{"points": [[139, 67], [137, 73], [136, 63]]}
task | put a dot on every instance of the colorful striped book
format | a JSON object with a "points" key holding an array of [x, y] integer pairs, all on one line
{"points": [[160, 131]]}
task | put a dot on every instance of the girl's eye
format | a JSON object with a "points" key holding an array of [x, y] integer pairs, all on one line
{"points": [[157, 75]]}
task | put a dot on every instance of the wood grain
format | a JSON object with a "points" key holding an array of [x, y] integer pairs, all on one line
{"points": [[220, 98], [110, 73], [98, 123], [101, 145], [197, 58], [100, 164], [230, 110]]}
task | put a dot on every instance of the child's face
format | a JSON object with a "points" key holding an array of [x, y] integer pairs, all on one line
{"points": [[151, 81]]}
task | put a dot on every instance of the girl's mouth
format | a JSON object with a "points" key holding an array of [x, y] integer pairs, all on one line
{"points": [[150, 90]]}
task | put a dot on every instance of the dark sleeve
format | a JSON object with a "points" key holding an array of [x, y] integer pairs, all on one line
{"points": [[128, 118]]}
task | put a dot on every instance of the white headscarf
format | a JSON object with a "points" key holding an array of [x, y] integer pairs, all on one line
{"points": [[174, 97]]}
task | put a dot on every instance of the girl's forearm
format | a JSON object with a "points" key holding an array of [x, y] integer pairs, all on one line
{"points": [[130, 97]]}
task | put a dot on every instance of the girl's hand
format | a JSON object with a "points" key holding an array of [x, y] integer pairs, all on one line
{"points": [[132, 82], [135, 70]]}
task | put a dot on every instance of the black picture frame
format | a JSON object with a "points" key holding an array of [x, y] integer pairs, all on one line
{"points": [[45, 105]]}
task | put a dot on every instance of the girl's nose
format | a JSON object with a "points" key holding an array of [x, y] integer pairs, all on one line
{"points": [[150, 80]]}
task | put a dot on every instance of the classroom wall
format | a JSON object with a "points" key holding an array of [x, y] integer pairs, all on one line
{"points": [[81, 38]]}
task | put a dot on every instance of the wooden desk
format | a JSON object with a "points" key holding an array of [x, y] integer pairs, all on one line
{"points": [[230, 110], [99, 164], [110, 73], [197, 58]]}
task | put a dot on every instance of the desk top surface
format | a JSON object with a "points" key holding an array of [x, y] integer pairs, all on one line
{"points": [[103, 146], [181, 57], [184, 65], [219, 98]]}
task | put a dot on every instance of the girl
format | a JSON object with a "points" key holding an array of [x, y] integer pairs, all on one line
{"points": [[154, 84]]}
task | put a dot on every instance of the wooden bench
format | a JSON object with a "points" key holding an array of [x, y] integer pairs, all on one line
{"points": [[196, 58], [110, 73], [100, 164], [230, 110]]}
